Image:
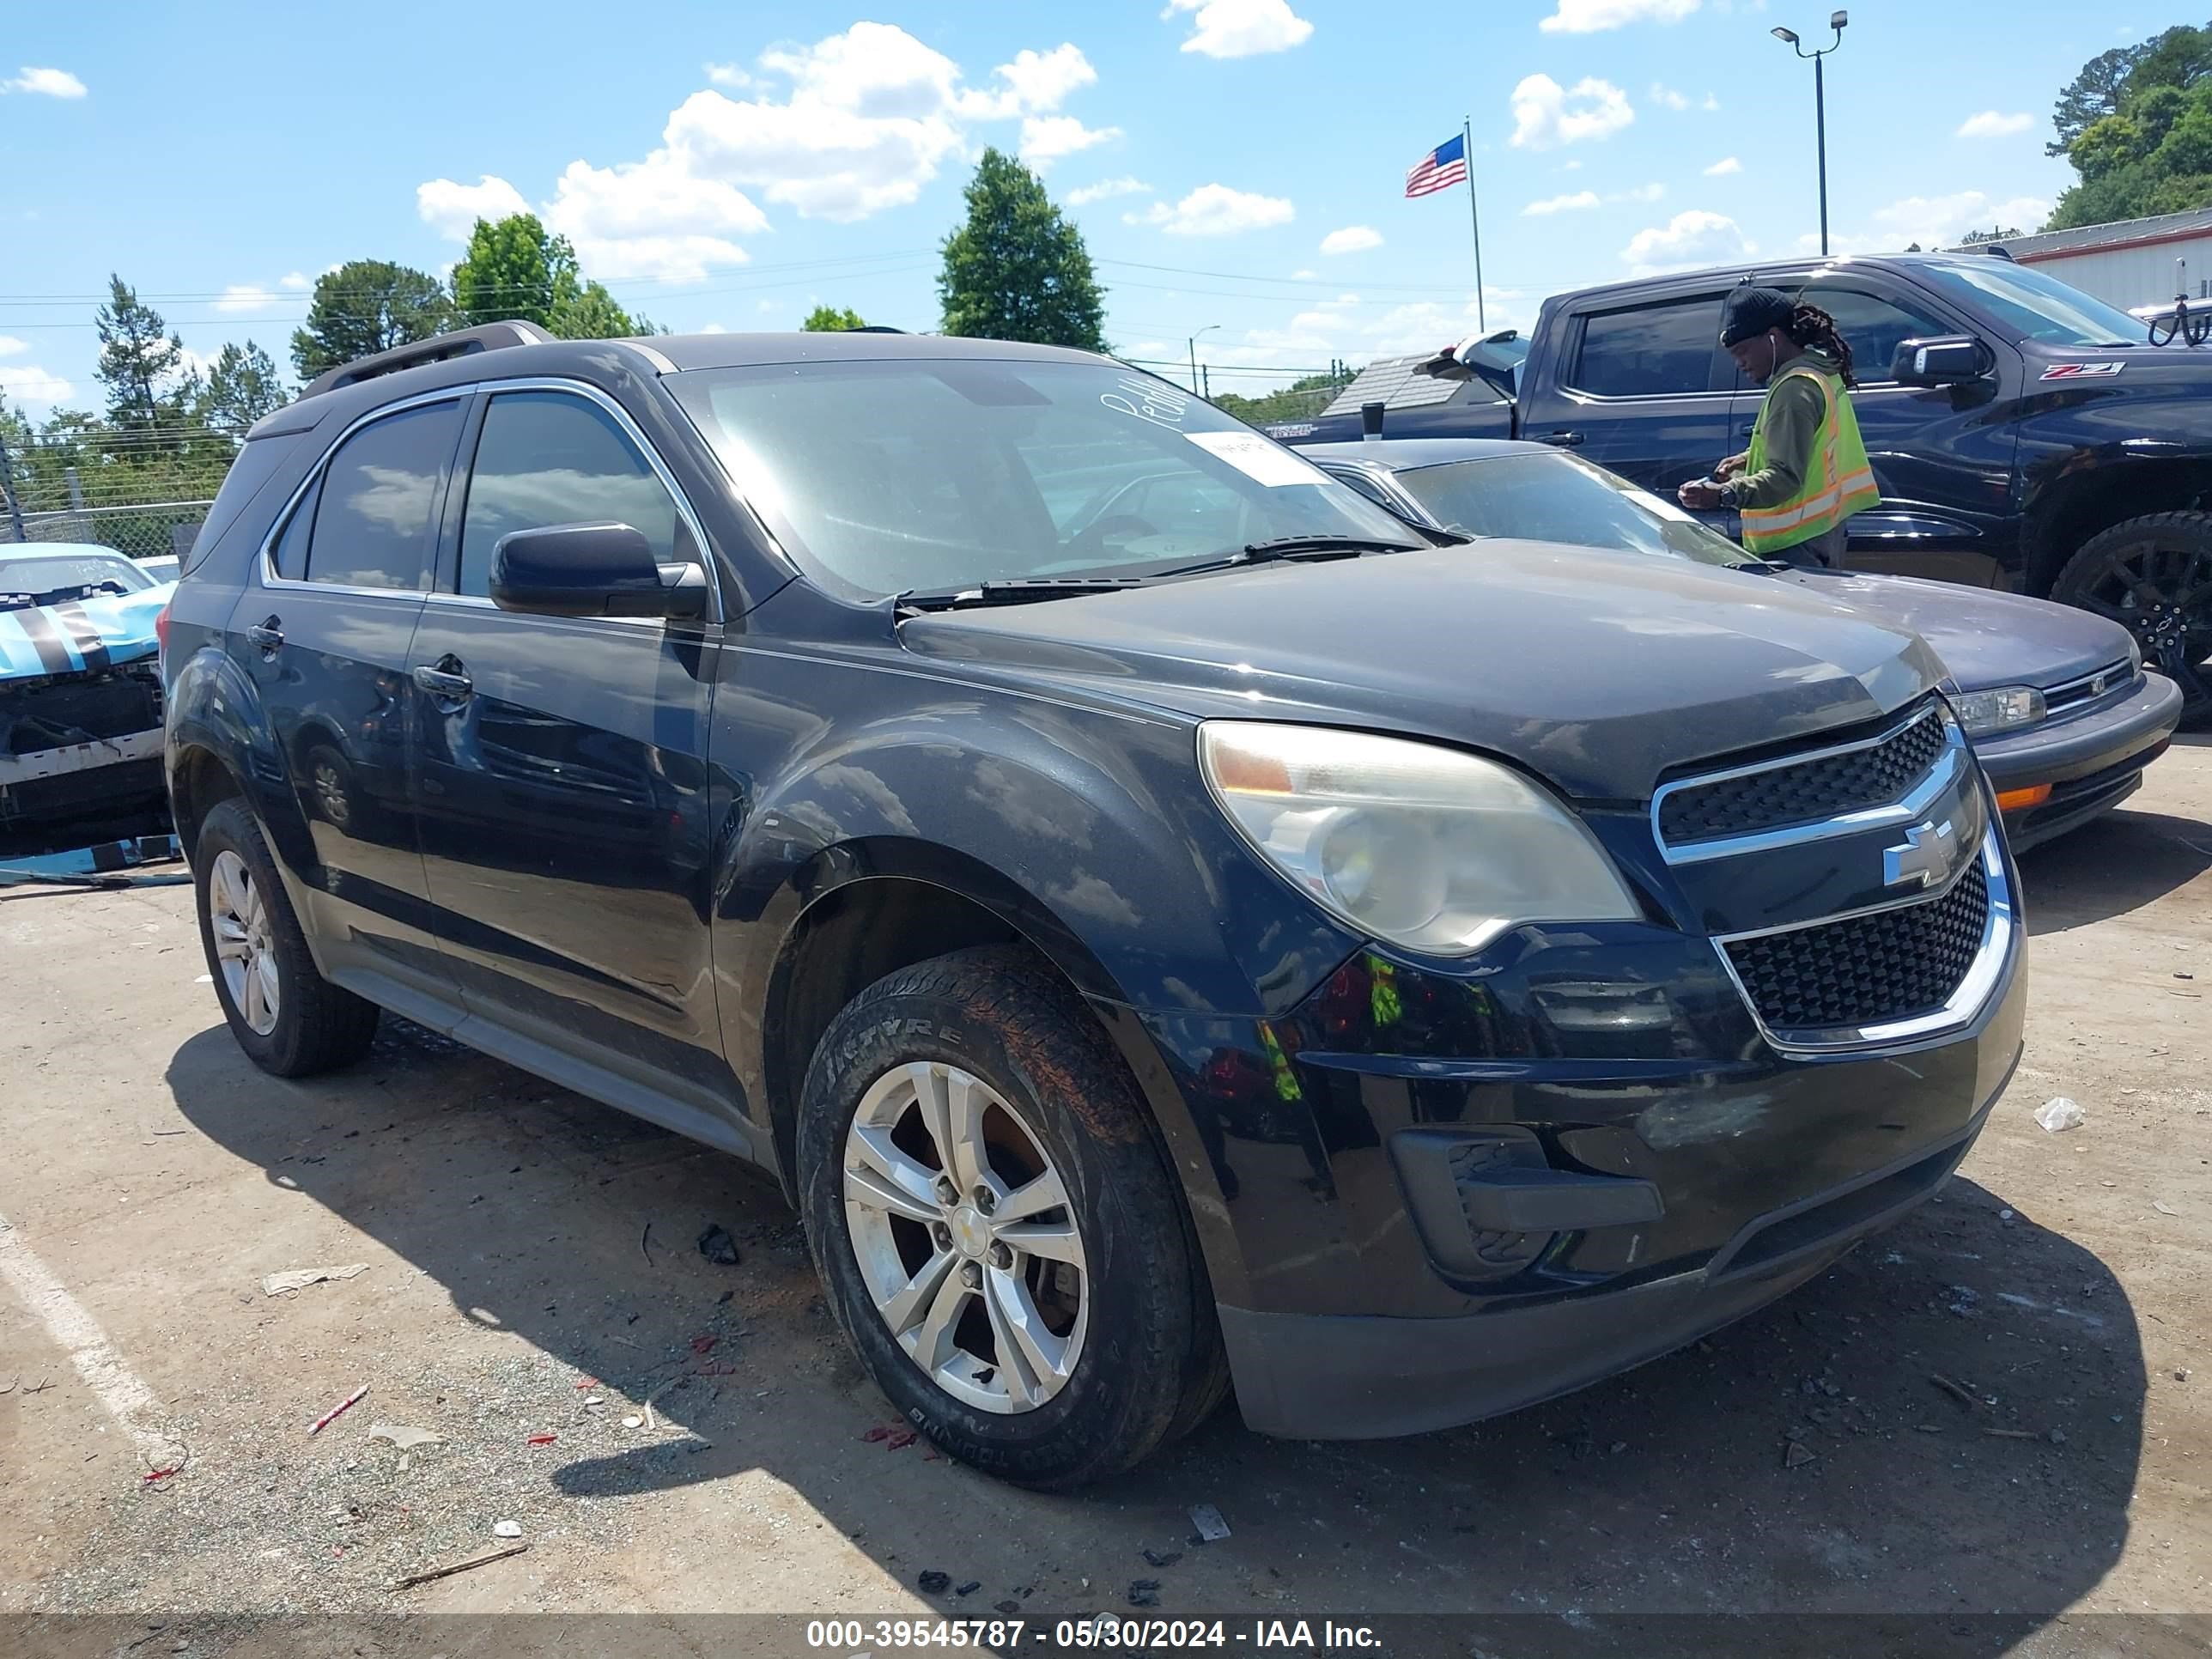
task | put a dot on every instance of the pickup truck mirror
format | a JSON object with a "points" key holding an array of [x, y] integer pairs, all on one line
{"points": [[591, 570], [1943, 360]]}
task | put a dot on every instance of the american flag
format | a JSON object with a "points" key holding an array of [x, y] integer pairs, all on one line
{"points": [[1440, 169]]}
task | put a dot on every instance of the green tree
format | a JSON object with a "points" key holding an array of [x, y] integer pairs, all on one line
{"points": [[1016, 269], [515, 268], [141, 364], [1995, 233], [1301, 400], [831, 320], [368, 306], [242, 386], [2137, 124]]}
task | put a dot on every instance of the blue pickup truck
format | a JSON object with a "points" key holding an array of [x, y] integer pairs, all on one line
{"points": [[2025, 436]]}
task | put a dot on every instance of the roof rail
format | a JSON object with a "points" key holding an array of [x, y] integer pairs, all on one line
{"points": [[875, 328], [461, 343]]}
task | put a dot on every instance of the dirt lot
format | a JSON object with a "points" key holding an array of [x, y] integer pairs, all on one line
{"points": [[530, 1254]]}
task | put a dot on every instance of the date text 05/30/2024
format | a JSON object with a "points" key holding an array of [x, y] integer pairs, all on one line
{"points": [[861, 1638]]}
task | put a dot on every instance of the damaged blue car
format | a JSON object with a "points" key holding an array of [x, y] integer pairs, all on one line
{"points": [[80, 699]]}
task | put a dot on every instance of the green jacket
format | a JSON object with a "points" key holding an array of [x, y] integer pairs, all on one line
{"points": [[1794, 411]]}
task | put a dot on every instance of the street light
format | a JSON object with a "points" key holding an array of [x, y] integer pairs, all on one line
{"points": [[1193, 344], [1838, 22]]}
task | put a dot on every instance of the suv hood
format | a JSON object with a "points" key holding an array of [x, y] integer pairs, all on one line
{"points": [[1985, 638], [1599, 673]]}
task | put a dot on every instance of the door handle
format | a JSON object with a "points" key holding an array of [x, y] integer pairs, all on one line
{"points": [[445, 681], [266, 636], [1564, 439]]}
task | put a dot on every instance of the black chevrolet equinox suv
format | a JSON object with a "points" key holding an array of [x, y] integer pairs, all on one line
{"points": [[1166, 923]]}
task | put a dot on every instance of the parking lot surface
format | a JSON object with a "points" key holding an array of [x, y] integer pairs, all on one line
{"points": [[2000, 1407]]}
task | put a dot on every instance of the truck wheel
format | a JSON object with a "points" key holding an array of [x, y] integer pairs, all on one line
{"points": [[997, 1225], [2152, 575], [289, 1018]]}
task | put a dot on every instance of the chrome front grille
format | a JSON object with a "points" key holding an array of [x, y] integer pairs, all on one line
{"points": [[1868, 970], [1788, 792], [2090, 687]]}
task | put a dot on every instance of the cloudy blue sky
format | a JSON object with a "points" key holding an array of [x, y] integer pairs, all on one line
{"points": [[1231, 162]]}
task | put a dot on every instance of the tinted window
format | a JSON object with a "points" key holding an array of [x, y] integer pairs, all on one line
{"points": [[1360, 481], [1652, 352], [256, 463], [1563, 498], [377, 496], [933, 474], [290, 552], [1873, 328], [547, 459]]}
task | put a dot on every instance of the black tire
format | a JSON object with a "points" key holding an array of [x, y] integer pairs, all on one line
{"points": [[318, 1027], [1150, 1365], [2130, 571]]}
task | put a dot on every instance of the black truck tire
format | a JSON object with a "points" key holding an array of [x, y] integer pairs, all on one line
{"points": [[294, 1023], [2152, 575], [1147, 1363]]}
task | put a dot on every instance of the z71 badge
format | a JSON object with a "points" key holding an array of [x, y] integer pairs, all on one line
{"points": [[2082, 371]]}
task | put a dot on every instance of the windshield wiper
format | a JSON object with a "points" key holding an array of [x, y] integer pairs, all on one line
{"points": [[1020, 591], [1298, 547]]}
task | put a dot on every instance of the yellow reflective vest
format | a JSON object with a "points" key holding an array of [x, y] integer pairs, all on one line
{"points": [[1838, 480]]}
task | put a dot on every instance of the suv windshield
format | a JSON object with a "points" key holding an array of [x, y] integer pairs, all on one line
{"points": [[893, 476], [2041, 307], [1546, 497], [29, 580]]}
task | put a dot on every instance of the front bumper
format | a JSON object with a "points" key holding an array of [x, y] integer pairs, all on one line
{"points": [[1310, 1376], [2092, 761]]}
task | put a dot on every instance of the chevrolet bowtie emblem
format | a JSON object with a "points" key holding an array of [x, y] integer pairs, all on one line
{"points": [[1924, 860]]}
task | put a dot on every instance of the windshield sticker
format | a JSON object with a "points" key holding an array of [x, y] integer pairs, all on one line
{"points": [[1258, 458], [2082, 371], [1149, 400]]}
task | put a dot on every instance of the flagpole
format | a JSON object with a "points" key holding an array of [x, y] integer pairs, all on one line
{"points": [[1474, 217]]}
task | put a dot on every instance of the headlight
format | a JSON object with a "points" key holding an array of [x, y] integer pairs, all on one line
{"points": [[1983, 711], [1423, 847]]}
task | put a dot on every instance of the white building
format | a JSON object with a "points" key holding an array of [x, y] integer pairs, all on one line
{"points": [[2128, 264]]}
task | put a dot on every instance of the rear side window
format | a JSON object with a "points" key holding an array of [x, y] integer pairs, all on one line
{"points": [[379, 498], [256, 463], [1873, 327], [545, 458], [1651, 352]]}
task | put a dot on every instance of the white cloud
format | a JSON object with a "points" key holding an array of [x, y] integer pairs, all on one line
{"points": [[1725, 166], [652, 218], [1939, 221], [1698, 237], [1545, 115], [1667, 97], [12, 346], [1241, 28], [1305, 276], [1570, 167], [47, 83], [1574, 202], [1216, 210], [34, 387], [1045, 138], [246, 297], [296, 280], [1105, 189], [1710, 104], [1651, 192], [1994, 124], [713, 328], [1352, 239], [1590, 16], [452, 210], [1041, 81], [767, 305], [728, 75]]}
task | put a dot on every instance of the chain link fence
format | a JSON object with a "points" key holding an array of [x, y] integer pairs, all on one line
{"points": [[144, 502]]}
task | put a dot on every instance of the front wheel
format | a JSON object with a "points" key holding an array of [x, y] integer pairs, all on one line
{"points": [[996, 1225], [2152, 575]]}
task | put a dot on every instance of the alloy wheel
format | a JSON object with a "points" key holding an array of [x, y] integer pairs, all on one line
{"points": [[966, 1238], [243, 946], [2163, 596]]}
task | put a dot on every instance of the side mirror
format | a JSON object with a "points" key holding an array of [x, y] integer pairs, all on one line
{"points": [[1943, 359], [591, 570]]}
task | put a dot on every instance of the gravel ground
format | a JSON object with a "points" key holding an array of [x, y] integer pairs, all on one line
{"points": [[1998, 1408]]}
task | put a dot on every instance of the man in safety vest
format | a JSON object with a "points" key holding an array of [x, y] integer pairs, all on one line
{"points": [[1805, 470]]}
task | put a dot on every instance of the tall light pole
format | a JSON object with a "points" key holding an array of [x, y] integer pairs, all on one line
{"points": [[1838, 22], [1193, 344]]}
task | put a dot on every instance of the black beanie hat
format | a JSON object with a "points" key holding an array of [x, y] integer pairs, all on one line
{"points": [[1751, 311]]}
